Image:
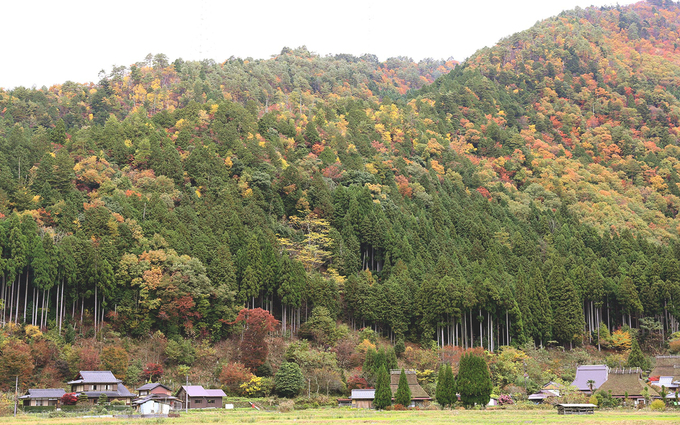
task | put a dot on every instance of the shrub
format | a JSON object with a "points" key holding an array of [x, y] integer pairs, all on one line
{"points": [[674, 346], [505, 400], [658, 405], [264, 370], [286, 406], [289, 380], [233, 375], [69, 399], [398, 407]]}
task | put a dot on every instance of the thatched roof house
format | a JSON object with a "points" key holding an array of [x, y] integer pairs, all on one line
{"points": [[627, 381], [667, 366], [418, 394]]}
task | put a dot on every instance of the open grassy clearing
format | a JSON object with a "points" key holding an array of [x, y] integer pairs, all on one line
{"points": [[323, 416]]}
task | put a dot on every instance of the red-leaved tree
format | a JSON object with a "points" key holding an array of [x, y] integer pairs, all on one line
{"points": [[257, 323], [152, 372], [69, 399]]}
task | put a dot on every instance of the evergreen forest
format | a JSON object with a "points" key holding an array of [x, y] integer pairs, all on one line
{"points": [[527, 196]]}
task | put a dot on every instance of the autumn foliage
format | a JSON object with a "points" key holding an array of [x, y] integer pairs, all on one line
{"points": [[257, 323]]}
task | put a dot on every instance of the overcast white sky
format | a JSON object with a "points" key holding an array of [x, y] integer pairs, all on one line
{"points": [[48, 42]]}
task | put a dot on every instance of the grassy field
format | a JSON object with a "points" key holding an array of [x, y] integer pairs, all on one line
{"points": [[341, 416]]}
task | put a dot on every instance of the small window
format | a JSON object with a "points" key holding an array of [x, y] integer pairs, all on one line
{"points": [[38, 402], [211, 401], [198, 401], [94, 387]]}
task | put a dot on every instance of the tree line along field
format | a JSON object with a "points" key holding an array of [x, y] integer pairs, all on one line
{"points": [[344, 415], [527, 197]]}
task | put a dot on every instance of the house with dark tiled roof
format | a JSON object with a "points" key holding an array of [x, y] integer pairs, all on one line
{"points": [[43, 397], [153, 388], [197, 397], [598, 374], [94, 383]]}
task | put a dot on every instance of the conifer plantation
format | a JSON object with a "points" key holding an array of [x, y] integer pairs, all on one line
{"points": [[304, 223]]}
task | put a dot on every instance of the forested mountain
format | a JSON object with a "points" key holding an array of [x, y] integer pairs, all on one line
{"points": [[525, 195]]}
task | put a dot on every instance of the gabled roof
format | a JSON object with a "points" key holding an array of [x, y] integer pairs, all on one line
{"points": [[122, 392], [416, 390], [553, 386], [215, 393], [597, 373], [44, 393], [95, 377], [151, 385], [363, 394], [622, 381], [156, 397], [199, 391], [667, 366]]}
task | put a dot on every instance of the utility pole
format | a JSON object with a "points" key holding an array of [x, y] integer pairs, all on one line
{"points": [[186, 396]]}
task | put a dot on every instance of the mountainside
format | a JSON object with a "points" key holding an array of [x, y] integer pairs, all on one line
{"points": [[528, 195], [590, 100]]}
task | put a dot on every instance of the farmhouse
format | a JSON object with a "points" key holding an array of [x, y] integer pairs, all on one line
{"points": [[94, 383], [418, 395], [549, 390], [43, 397], [153, 388], [157, 404], [362, 399], [598, 374], [197, 397], [668, 368], [627, 381]]}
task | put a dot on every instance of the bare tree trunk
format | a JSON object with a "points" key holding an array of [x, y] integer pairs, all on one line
{"points": [[481, 333], [26, 295], [95, 311], [16, 308]]}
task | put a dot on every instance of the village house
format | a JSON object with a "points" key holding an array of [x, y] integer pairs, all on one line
{"points": [[157, 404], [43, 397], [362, 399], [590, 375], [197, 397], [94, 383], [666, 372], [418, 395], [627, 383], [156, 398], [153, 388], [549, 391]]}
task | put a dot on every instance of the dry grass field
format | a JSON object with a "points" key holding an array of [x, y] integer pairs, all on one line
{"points": [[348, 416]]}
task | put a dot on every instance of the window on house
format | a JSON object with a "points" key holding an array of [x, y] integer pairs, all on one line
{"points": [[198, 401], [94, 387], [211, 401], [38, 402]]}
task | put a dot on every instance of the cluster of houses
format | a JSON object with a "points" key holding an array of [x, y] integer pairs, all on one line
{"points": [[363, 398], [622, 383], [151, 398]]}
